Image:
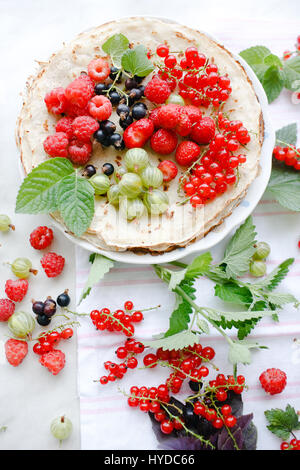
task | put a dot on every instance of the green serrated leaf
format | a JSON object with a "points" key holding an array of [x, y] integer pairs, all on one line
{"points": [[272, 82], [282, 423], [178, 341], [176, 278], [273, 59], [203, 326], [231, 292], [272, 280], [280, 299], [136, 62], [291, 73], [38, 192], [100, 266], [255, 54], [115, 46], [240, 250], [287, 134], [239, 354], [199, 266], [285, 188], [75, 198], [180, 317]]}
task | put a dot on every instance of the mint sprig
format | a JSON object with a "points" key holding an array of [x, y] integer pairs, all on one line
{"points": [[115, 47], [282, 423]]}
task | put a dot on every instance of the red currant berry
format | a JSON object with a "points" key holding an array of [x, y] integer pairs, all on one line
{"points": [[217, 423], [154, 407], [226, 410], [103, 380], [162, 50], [170, 61], [230, 421], [132, 363], [166, 427], [160, 416], [221, 395], [38, 349], [54, 337], [144, 406], [137, 317], [128, 305], [121, 353], [150, 360], [138, 348], [133, 402], [208, 353], [67, 333]]}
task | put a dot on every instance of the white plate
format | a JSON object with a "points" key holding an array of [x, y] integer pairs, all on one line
{"points": [[239, 214]]}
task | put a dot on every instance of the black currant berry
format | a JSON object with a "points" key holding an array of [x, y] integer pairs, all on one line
{"points": [[142, 89], [108, 169], [38, 308], [63, 299], [195, 386], [123, 111], [130, 83], [139, 111], [114, 97], [117, 141], [108, 127], [101, 88], [124, 123], [89, 171], [43, 320], [134, 95], [49, 307], [138, 79], [113, 74], [100, 136], [106, 142]]}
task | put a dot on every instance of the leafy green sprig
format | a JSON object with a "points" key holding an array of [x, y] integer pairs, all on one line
{"points": [[282, 423]]}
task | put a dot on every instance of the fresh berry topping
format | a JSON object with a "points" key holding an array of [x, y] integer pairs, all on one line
{"points": [[204, 131], [164, 141], [184, 124], [49, 307], [157, 90], [56, 101], [65, 125], [137, 134], [7, 308], [84, 127], [168, 169], [53, 264], [63, 299], [80, 152], [100, 108], [193, 113], [41, 238], [57, 145], [74, 111], [67, 333], [15, 351], [162, 50], [273, 381], [54, 361], [98, 70], [168, 116], [79, 92], [16, 290], [187, 152]]}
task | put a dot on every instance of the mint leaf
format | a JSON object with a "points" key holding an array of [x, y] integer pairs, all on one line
{"points": [[76, 203], [199, 266], [178, 341], [285, 187], [255, 55], [100, 266], [240, 250], [273, 59], [287, 134], [291, 73], [282, 423], [272, 82], [115, 46], [38, 192], [136, 62], [232, 292]]}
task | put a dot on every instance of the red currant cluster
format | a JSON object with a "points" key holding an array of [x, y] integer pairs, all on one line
{"points": [[198, 80], [120, 320], [289, 155], [216, 169], [293, 445], [128, 351], [47, 342], [288, 54]]}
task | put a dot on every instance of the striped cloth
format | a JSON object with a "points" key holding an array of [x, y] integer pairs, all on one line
{"points": [[106, 420]]}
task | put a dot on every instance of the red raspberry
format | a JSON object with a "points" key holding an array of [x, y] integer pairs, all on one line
{"points": [[184, 125], [15, 351], [187, 152], [54, 361], [56, 145], [74, 111], [137, 134], [154, 117], [53, 264], [168, 116], [56, 101], [41, 238], [89, 81], [193, 113], [84, 127], [273, 381], [80, 152], [65, 125], [164, 141], [79, 92], [157, 90], [168, 169], [16, 290], [7, 308], [100, 107], [204, 131], [98, 70]]}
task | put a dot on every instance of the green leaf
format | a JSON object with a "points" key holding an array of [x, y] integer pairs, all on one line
{"points": [[136, 62], [279, 299], [291, 73], [232, 292], [180, 318], [240, 250], [260, 70], [272, 82], [38, 192], [255, 55], [115, 46], [76, 203], [178, 341], [282, 423], [176, 278], [239, 351], [199, 266], [276, 276], [273, 59], [100, 266], [203, 326], [285, 187], [287, 134]]}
